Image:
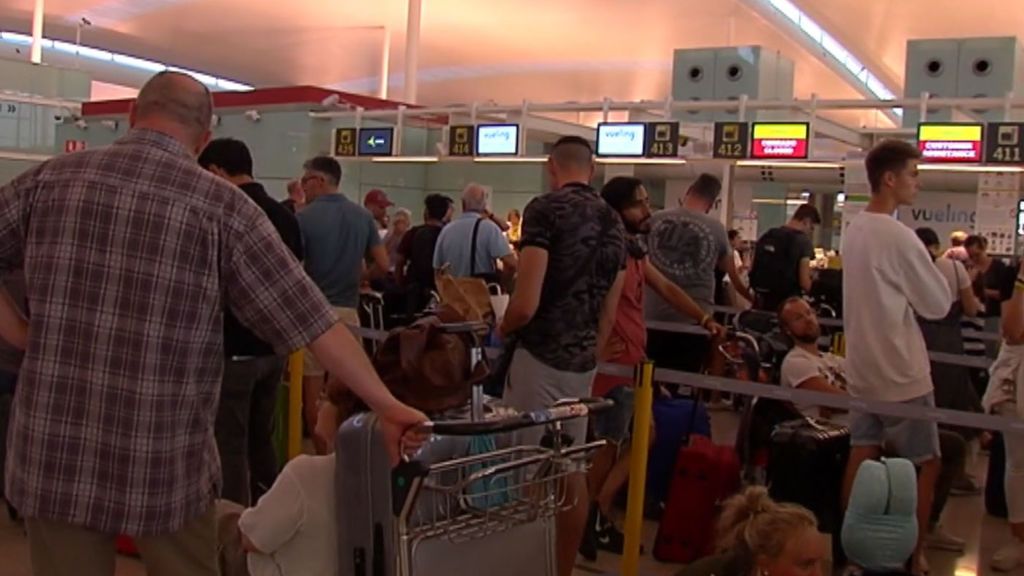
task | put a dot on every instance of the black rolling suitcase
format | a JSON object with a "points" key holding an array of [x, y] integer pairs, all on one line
{"points": [[806, 467], [995, 487]]}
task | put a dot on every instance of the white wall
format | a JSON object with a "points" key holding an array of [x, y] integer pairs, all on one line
{"points": [[944, 212]]}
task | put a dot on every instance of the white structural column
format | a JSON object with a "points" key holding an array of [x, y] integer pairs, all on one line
{"points": [[385, 65], [37, 32], [412, 49]]}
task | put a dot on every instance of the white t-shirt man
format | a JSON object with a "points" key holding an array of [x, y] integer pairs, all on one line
{"points": [[888, 276], [800, 366], [294, 522]]}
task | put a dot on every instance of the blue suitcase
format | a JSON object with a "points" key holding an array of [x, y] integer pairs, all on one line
{"points": [[675, 420]]}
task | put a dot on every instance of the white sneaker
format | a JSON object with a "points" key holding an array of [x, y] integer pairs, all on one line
{"points": [[1007, 558], [719, 406], [939, 539]]}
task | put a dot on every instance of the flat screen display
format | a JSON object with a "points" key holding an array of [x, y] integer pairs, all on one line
{"points": [[497, 140], [376, 141], [779, 141], [621, 139], [1020, 218], [950, 142]]}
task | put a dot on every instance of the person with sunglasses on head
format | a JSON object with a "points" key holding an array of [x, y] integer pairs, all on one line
{"points": [[338, 236]]}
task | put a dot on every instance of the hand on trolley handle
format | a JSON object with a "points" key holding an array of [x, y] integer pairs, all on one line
{"points": [[566, 409]]}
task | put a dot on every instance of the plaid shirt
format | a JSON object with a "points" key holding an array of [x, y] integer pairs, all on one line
{"points": [[131, 255]]}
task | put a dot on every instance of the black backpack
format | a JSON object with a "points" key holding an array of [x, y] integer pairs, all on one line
{"points": [[776, 272]]}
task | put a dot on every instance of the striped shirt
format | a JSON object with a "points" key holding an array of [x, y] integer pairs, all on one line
{"points": [[132, 253]]}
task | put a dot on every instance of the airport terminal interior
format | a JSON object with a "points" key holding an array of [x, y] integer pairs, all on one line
{"points": [[697, 224]]}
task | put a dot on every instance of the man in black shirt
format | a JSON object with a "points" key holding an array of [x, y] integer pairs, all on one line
{"points": [[252, 372], [782, 260], [414, 267], [570, 279]]}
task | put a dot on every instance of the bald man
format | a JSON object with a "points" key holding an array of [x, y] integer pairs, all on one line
{"points": [[573, 258], [132, 253], [472, 244]]}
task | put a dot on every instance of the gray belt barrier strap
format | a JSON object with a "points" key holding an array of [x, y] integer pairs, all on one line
{"points": [[838, 323], [840, 402], [745, 388], [980, 362]]}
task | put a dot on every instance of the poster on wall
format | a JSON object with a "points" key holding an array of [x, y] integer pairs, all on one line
{"points": [[998, 196]]}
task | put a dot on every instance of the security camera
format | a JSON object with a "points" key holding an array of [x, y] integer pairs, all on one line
{"points": [[81, 124], [253, 115], [86, 22], [111, 124]]}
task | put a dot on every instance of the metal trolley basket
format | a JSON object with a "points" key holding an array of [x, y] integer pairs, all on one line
{"points": [[463, 506]]}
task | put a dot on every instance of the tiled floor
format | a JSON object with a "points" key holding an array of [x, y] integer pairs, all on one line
{"points": [[964, 517]]}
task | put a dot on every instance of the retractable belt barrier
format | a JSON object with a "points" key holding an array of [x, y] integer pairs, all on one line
{"points": [[838, 323], [796, 396], [847, 403], [981, 362]]}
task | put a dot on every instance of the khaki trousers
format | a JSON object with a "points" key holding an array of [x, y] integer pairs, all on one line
{"points": [[60, 549]]}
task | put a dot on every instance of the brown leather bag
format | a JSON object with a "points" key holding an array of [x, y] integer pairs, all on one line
{"points": [[428, 368]]}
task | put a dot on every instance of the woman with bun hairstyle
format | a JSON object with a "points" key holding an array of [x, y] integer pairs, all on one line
{"points": [[757, 536]]}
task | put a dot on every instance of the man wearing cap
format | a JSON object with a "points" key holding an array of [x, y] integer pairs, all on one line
{"points": [[377, 202], [338, 235]]}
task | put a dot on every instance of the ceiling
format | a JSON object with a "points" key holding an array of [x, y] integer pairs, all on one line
{"points": [[501, 50]]}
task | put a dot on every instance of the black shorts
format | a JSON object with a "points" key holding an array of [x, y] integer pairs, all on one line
{"points": [[676, 351]]}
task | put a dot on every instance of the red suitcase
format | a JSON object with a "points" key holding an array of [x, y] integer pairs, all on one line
{"points": [[704, 476]]}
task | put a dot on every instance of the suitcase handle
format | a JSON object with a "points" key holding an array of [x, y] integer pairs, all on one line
{"points": [[564, 410]]}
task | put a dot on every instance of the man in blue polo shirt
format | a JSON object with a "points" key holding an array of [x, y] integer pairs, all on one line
{"points": [[473, 243], [338, 235]]}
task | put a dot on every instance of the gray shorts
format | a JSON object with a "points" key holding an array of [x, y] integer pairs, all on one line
{"points": [[533, 385], [915, 440], [613, 424]]}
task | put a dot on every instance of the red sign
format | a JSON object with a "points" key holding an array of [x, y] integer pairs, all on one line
{"points": [[950, 142], [780, 141], [73, 146]]}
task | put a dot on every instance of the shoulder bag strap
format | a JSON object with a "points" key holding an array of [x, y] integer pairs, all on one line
{"points": [[472, 250]]}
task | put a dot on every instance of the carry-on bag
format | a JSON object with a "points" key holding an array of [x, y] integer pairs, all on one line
{"points": [[995, 483], [806, 467], [455, 508], [705, 475], [675, 420]]}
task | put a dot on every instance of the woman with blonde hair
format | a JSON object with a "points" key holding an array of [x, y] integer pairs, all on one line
{"points": [[757, 536]]}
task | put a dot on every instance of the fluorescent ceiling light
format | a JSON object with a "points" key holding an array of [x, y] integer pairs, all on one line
{"points": [[643, 161], [406, 159], [833, 48], [785, 164], [140, 63], [15, 38], [969, 168], [124, 60], [512, 160]]}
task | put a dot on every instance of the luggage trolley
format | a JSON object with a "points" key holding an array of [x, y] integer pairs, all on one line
{"points": [[455, 505], [498, 506], [448, 509]]}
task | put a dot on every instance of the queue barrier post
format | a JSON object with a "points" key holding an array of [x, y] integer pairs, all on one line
{"points": [[295, 404], [644, 399]]}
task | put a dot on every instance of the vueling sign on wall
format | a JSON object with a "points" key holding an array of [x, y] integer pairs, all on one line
{"points": [[944, 212]]}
